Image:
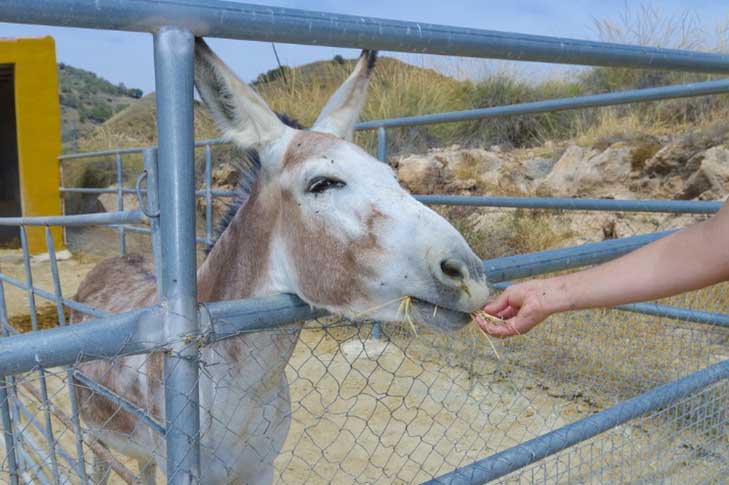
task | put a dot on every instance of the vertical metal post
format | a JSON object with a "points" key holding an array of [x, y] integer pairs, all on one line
{"points": [[42, 373], [72, 397], [10, 381], [150, 165], [8, 429], [208, 194], [382, 144], [173, 62], [120, 202], [382, 156], [8, 433]]}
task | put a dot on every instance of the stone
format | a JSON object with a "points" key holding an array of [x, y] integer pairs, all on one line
{"points": [[711, 178]]}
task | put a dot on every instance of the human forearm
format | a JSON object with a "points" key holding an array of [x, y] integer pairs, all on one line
{"points": [[693, 258]]}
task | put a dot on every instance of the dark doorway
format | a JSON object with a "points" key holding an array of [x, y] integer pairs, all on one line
{"points": [[9, 176]]}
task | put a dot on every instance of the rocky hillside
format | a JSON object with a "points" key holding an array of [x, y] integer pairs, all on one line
{"points": [[88, 100], [693, 165], [688, 166]]}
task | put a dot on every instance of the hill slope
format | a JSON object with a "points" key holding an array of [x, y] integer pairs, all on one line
{"points": [[397, 88], [88, 100]]}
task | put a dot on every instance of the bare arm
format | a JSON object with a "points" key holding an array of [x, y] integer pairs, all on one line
{"points": [[690, 259]]}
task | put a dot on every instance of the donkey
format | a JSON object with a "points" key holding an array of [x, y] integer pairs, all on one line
{"points": [[322, 219]]}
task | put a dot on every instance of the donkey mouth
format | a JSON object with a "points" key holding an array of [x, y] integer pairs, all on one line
{"points": [[437, 317]]}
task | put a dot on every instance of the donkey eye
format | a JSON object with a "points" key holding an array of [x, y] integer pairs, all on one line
{"points": [[317, 185]]}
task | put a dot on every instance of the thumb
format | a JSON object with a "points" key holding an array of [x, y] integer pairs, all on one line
{"points": [[498, 305]]}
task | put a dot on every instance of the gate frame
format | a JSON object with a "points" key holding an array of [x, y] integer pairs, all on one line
{"points": [[173, 228]]}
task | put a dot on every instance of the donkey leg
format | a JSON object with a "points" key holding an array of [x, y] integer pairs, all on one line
{"points": [[147, 472], [101, 469]]}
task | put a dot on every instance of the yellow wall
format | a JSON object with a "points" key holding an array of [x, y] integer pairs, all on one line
{"points": [[38, 115]]}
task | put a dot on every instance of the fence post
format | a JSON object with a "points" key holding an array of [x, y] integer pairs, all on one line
{"points": [[173, 62], [120, 201], [381, 156]]}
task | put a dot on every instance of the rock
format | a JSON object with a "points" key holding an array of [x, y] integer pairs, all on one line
{"points": [[711, 178], [225, 177], [537, 168], [461, 187], [420, 175], [674, 157]]}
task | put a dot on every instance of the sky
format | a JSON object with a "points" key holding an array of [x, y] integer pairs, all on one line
{"points": [[127, 57]]}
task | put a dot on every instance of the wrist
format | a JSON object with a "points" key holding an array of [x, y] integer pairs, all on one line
{"points": [[556, 296]]}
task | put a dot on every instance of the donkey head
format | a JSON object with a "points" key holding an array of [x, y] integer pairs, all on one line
{"points": [[336, 227]]}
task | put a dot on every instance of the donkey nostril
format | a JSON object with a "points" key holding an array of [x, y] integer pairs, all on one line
{"points": [[454, 269]]}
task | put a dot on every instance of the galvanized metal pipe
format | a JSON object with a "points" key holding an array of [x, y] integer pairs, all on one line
{"points": [[99, 153], [381, 156], [7, 421], [208, 193], [505, 462], [72, 397], [74, 305], [50, 439], [150, 165], [120, 401], [120, 202], [92, 190], [526, 265], [8, 428], [12, 395], [551, 105], [233, 20], [173, 61], [128, 333], [148, 231], [573, 204], [101, 218]]}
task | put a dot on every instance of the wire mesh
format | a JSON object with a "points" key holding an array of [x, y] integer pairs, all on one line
{"points": [[411, 406]]}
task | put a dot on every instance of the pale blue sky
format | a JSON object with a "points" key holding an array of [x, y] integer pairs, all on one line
{"points": [[127, 57]]}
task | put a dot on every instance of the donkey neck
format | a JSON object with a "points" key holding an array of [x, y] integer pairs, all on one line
{"points": [[240, 263]]}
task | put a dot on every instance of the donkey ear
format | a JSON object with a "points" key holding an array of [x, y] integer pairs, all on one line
{"points": [[344, 107], [241, 114]]}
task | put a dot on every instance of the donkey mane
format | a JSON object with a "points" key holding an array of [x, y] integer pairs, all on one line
{"points": [[248, 166]]}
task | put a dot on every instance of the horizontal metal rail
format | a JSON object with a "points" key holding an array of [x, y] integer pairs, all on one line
{"points": [[677, 313], [526, 265], [72, 304], [148, 232], [95, 190], [134, 332], [524, 454], [97, 388], [96, 219], [140, 330], [560, 203], [128, 150], [100, 153], [217, 18], [561, 104]]}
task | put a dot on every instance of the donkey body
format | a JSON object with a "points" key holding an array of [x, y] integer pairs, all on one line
{"points": [[323, 220]]}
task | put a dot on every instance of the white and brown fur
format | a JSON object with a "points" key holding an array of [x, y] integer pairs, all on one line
{"points": [[359, 243]]}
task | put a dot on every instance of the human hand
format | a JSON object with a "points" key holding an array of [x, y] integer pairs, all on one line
{"points": [[523, 306]]}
